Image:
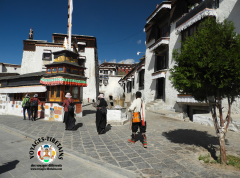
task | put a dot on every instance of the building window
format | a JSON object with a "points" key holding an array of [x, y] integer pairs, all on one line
{"points": [[105, 82], [52, 92], [49, 70], [100, 81], [67, 89], [161, 61], [17, 96], [75, 92], [74, 71], [164, 31], [60, 69], [133, 83], [58, 88], [105, 72], [101, 71], [111, 72], [141, 79], [80, 72], [54, 70], [47, 55], [68, 70], [81, 48], [129, 87], [189, 31]]}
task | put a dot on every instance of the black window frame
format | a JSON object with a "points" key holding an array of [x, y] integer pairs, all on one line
{"points": [[44, 58], [141, 79], [129, 86], [161, 61]]}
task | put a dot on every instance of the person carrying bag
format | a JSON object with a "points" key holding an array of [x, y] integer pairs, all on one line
{"points": [[138, 119], [26, 106]]}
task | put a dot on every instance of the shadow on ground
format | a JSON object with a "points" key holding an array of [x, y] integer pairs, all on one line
{"points": [[86, 112], [139, 137], [108, 128], [8, 166], [193, 137], [78, 125], [86, 105]]}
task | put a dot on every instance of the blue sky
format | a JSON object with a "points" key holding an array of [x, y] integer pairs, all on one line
{"points": [[110, 21]]}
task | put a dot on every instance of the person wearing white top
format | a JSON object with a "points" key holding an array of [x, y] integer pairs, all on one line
{"points": [[139, 119]]}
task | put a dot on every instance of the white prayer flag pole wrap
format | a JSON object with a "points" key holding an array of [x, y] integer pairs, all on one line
{"points": [[70, 24]]}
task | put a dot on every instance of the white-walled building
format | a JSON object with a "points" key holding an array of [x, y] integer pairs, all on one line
{"points": [[109, 71], [8, 69], [37, 53], [170, 23], [133, 82]]}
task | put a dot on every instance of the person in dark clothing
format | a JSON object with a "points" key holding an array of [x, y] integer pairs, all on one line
{"points": [[101, 119], [69, 119], [34, 106]]}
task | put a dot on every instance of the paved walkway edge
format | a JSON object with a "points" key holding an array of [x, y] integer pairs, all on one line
{"points": [[95, 162]]}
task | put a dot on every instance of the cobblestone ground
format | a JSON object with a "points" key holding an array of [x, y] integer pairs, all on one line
{"points": [[173, 145]]}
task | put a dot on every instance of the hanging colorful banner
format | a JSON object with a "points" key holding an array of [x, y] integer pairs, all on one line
{"points": [[63, 81]]}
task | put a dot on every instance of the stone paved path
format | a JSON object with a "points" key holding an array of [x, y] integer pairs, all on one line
{"points": [[173, 145], [15, 162]]}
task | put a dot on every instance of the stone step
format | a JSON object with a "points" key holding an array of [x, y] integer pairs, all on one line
{"points": [[171, 114]]}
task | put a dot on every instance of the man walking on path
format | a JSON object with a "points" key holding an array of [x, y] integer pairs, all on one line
{"points": [[34, 106], [139, 120], [26, 106]]}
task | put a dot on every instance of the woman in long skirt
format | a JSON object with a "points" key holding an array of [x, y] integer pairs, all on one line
{"points": [[69, 119], [101, 119]]}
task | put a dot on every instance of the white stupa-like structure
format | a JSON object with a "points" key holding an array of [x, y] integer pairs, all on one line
{"points": [[115, 90], [117, 114]]}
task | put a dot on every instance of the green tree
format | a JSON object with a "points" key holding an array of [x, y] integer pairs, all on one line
{"points": [[208, 67]]}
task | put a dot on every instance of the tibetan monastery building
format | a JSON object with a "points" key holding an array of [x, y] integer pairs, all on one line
{"points": [[50, 71]]}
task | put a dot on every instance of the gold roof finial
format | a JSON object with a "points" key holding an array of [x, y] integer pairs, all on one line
{"points": [[105, 60], [122, 62]]}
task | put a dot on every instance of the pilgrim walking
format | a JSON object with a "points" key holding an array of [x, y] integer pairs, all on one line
{"points": [[101, 114], [139, 119], [69, 119], [34, 106], [26, 106]]}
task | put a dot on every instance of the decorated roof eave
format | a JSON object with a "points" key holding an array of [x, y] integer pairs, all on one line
{"points": [[135, 69], [60, 80], [199, 16], [64, 75], [67, 63], [158, 43], [163, 5], [65, 51]]}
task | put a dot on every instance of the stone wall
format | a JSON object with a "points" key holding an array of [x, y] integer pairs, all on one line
{"points": [[174, 43]]}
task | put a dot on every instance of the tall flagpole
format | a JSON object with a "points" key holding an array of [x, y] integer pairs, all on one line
{"points": [[70, 10]]}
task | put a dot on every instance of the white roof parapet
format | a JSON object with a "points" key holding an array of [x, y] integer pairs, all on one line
{"points": [[143, 67], [24, 89], [81, 43], [165, 40], [47, 51], [159, 75], [161, 7], [186, 99], [206, 12]]}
